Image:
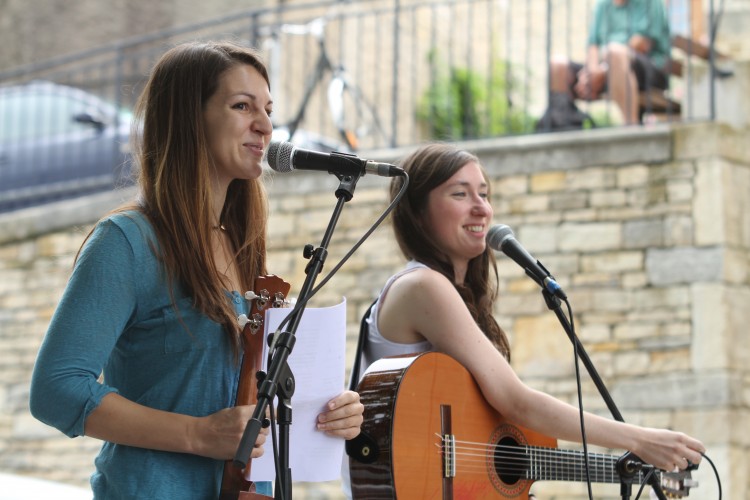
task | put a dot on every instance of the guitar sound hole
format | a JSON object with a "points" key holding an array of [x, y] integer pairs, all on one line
{"points": [[511, 462]]}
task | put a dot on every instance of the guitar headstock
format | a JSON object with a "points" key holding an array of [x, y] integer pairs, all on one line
{"points": [[676, 484], [268, 292]]}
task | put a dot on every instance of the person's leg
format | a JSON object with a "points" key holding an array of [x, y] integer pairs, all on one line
{"points": [[622, 83], [648, 76], [563, 75]]}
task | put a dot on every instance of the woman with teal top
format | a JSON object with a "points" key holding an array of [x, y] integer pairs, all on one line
{"points": [[152, 304]]}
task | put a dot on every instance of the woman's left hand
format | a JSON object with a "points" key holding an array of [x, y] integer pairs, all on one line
{"points": [[343, 417]]}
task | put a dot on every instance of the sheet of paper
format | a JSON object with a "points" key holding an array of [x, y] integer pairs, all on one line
{"points": [[318, 361]]}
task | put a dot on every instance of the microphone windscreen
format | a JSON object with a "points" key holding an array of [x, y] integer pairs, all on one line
{"points": [[497, 234], [279, 156]]}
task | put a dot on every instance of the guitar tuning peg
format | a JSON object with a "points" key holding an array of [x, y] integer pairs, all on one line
{"points": [[242, 320], [251, 295]]}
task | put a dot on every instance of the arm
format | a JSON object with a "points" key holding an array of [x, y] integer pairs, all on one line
{"points": [[592, 77], [122, 421], [99, 303], [425, 303], [640, 43], [652, 33]]}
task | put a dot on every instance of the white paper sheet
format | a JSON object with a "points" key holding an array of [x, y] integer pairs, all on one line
{"points": [[318, 361]]}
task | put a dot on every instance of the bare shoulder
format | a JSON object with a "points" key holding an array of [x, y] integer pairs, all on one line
{"points": [[419, 285], [423, 279], [424, 304], [410, 301]]}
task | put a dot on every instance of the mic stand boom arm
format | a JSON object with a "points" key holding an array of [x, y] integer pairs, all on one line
{"points": [[280, 377], [629, 463]]}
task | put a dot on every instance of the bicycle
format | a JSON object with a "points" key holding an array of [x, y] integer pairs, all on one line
{"points": [[353, 116]]}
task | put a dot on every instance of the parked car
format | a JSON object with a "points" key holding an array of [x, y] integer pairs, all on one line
{"points": [[59, 142]]}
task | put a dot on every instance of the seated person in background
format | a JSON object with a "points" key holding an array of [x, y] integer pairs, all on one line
{"points": [[443, 301], [628, 50]]}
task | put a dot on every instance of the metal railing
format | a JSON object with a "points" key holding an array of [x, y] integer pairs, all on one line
{"points": [[449, 70]]}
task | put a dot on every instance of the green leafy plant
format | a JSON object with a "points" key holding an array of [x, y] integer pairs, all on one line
{"points": [[462, 103]]}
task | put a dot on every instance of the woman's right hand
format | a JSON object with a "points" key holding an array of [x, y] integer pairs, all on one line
{"points": [[218, 435], [669, 450]]}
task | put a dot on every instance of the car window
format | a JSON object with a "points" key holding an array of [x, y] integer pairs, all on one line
{"points": [[28, 115]]}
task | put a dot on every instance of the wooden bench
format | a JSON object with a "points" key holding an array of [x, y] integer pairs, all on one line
{"points": [[657, 101]]}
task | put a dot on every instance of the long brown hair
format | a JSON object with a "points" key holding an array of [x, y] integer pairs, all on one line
{"points": [[171, 152], [429, 167]]}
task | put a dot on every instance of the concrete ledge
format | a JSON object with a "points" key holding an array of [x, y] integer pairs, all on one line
{"points": [[29, 222]]}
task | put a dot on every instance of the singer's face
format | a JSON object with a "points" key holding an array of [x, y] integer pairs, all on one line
{"points": [[458, 215], [237, 120]]}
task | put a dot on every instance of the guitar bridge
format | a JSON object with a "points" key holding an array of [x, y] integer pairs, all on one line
{"points": [[449, 455]]}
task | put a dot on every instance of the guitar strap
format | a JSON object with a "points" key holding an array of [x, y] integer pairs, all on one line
{"points": [[363, 447], [361, 343]]}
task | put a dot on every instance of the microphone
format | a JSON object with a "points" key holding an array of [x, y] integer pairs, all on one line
{"points": [[285, 157], [501, 238]]}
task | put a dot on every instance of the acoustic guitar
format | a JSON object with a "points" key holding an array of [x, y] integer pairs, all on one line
{"points": [[268, 291], [433, 435]]}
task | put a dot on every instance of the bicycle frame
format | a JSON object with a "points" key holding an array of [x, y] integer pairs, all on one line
{"points": [[339, 86]]}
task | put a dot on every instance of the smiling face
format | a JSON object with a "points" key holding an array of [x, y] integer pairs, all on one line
{"points": [[458, 216], [237, 120]]}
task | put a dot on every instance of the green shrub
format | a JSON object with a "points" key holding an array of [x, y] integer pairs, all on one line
{"points": [[464, 104]]}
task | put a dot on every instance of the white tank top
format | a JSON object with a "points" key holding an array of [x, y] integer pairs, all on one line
{"points": [[380, 347]]}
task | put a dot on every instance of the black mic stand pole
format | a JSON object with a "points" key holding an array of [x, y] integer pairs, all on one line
{"points": [[629, 463], [279, 377]]}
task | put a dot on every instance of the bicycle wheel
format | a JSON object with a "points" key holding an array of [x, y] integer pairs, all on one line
{"points": [[354, 118]]}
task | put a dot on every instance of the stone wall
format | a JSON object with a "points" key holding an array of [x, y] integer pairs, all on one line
{"points": [[647, 229]]}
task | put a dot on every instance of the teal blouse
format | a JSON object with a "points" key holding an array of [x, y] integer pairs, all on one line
{"points": [[116, 317]]}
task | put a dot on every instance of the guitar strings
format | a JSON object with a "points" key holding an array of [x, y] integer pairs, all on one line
{"points": [[516, 461], [520, 460]]}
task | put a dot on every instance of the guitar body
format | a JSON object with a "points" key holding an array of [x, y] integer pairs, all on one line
{"points": [[408, 403], [270, 291], [429, 433]]}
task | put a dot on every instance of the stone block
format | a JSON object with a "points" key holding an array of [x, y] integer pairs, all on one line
{"points": [[632, 175], [512, 185], [547, 182], [591, 237], [669, 266], [596, 178], [608, 198], [708, 205], [730, 94], [615, 262]]}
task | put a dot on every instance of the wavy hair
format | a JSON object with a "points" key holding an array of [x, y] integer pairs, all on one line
{"points": [[429, 167]]}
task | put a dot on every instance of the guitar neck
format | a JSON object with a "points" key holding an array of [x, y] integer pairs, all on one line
{"points": [[546, 464]]}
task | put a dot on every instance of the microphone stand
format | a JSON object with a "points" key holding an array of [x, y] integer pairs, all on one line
{"points": [[280, 377], [629, 464]]}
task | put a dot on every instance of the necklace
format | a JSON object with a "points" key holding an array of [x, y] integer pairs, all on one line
{"points": [[219, 227]]}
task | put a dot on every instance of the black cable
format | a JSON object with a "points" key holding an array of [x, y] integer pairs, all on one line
{"points": [[580, 400], [716, 473], [301, 304], [644, 483], [274, 440]]}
